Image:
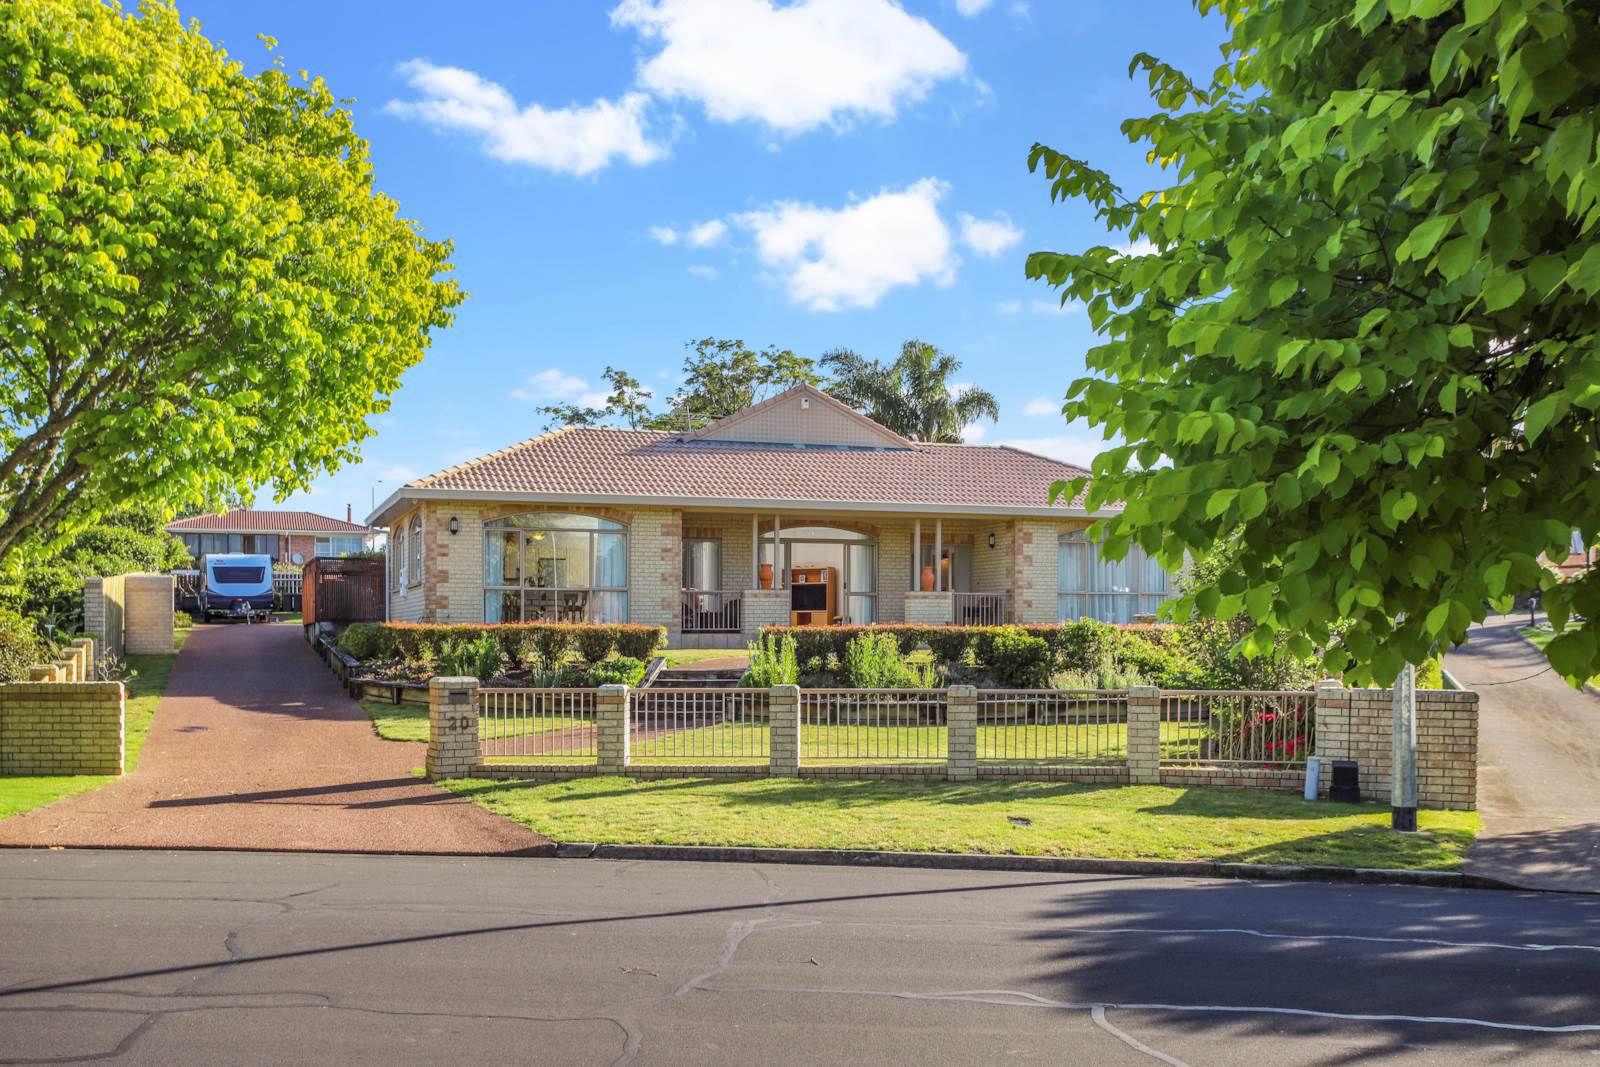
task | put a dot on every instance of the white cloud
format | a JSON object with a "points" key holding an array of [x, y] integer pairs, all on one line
{"points": [[701, 270], [1008, 307], [972, 7], [1042, 405], [705, 233], [1055, 307], [664, 234], [555, 386], [795, 67], [1078, 449], [1143, 246], [973, 432], [569, 140], [988, 237], [832, 258]]}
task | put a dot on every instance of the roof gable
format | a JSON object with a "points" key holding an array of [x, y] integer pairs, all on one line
{"points": [[803, 415], [249, 520]]}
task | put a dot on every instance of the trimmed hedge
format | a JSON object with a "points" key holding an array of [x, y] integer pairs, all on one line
{"points": [[524, 643]]}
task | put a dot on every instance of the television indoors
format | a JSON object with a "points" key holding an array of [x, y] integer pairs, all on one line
{"points": [[809, 597]]}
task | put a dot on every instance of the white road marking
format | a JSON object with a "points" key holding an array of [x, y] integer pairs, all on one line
{"points": [[1098, 1014]]}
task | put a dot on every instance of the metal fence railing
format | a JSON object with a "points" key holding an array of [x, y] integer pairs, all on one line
{"points": [[873, 725], [981, 609], [699, 726], [537, 725], [1019, 726], [711, 611], [1237, 727]]}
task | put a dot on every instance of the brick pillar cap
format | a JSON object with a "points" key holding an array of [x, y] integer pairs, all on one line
{"points": [[437, 682], [784, 690], [1330, 683], [614, 688], [964, 690], [1144, 690]]}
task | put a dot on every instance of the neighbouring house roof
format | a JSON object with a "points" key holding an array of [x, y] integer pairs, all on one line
{"points": [[599, 465], [249, 520]]}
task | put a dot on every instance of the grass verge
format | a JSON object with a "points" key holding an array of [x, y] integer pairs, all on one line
{"points": [[397, 722], [18, 794], [1013, 818]]}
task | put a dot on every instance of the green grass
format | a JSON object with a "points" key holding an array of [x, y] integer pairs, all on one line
{"points": [[1541, 636], [18, 794], [677, 657], [397, 722], [1115, 822]]}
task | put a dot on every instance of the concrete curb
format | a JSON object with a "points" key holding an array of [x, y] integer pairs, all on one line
{"points": [[976, 861]]}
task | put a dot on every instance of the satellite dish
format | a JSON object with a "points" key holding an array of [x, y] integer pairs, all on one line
{"points": [[298, 558]]}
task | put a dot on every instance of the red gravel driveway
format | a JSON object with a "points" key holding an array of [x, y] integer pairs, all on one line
{"points": [[256, 746]]}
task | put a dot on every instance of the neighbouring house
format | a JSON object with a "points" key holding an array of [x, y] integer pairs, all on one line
{"points": [[797, 510], [286, 536]]}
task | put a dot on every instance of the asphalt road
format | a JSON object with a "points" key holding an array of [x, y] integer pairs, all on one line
{"points": [[208, 958]]}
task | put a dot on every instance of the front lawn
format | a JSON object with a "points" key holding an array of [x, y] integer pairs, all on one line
{"points": [[397, 722], [1018, 818], [19, 794]]}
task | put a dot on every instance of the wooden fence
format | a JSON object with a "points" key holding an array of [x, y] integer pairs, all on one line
{"points": [[342, 590]]}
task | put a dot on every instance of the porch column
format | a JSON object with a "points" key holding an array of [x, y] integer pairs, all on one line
{"points": [[755, 552], [916, 555], [779, 577], [938, 555]]}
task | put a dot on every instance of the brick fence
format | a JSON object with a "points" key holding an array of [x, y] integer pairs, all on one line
{"points": [[61, 722], [1349, 724], [129, 614]]}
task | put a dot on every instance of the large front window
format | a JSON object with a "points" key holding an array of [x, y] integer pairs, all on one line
{"points": [[552, 567], [1090, 586]]}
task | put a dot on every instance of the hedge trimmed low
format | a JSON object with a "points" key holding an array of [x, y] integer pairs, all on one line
{"points": [[524, 643]]}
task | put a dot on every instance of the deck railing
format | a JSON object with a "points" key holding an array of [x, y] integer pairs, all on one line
{"points": [[537, 725], [1032, 727], [704, 726], [708, 611], [981, 609]]}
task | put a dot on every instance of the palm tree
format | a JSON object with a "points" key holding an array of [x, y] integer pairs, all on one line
{"points": [[911, 396]]}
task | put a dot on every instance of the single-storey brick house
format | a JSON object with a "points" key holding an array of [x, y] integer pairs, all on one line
{"points": [[286, 536], [796, 510]]}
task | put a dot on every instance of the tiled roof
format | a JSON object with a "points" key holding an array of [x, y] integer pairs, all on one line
{"points": [[650, 464], [249, 520]]}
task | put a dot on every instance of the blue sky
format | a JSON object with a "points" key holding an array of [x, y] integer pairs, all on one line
{"points": [[619, 178]]}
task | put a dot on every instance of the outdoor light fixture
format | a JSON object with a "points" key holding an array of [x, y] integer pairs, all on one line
{"points": [[455, 525], [991, 540]]}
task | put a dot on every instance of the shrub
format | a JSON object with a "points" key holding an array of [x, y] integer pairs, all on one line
{"points": [[949, 644], [639, 642], [360, 640], [618, 670], [595, 643], [1080, 646], [1430, 673], [20, 647], [873, 660], [551, 644], [480, 657], [1160, 666], [182, 620], [773, 661], [1017, 659], [1105, 674]]}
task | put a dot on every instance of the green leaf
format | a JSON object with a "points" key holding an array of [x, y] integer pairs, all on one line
{"points": [[1542, 413], [1437, 619], [1502, 291]]}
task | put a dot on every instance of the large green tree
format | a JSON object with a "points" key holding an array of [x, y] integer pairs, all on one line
{"points": [[1363, 329], [200, 289], [913, 394]]}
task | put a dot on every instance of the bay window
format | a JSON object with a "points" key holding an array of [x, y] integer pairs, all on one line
{"points": [[555, 567], [1090, 586]]}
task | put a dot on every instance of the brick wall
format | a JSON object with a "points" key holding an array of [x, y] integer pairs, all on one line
{"points": [[147, 618], [51, 728], [1357, 724], [1034, 549], [103, 612], [929, 609]]}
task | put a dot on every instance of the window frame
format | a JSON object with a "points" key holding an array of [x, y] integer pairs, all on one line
{"points": [[1132, 600], [525, 523]]}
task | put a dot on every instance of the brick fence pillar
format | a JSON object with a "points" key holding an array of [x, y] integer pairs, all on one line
{"points": [[452, 727], [961, 725], [783, 713], [611, 729], [84, 647], [42, 672], [1144, 735]]}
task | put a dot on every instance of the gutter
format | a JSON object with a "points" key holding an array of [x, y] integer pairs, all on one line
{"points": [[873, 507]]}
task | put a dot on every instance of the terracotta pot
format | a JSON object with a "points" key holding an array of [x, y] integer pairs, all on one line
{"points": [[927, 578], [766, 576]]}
